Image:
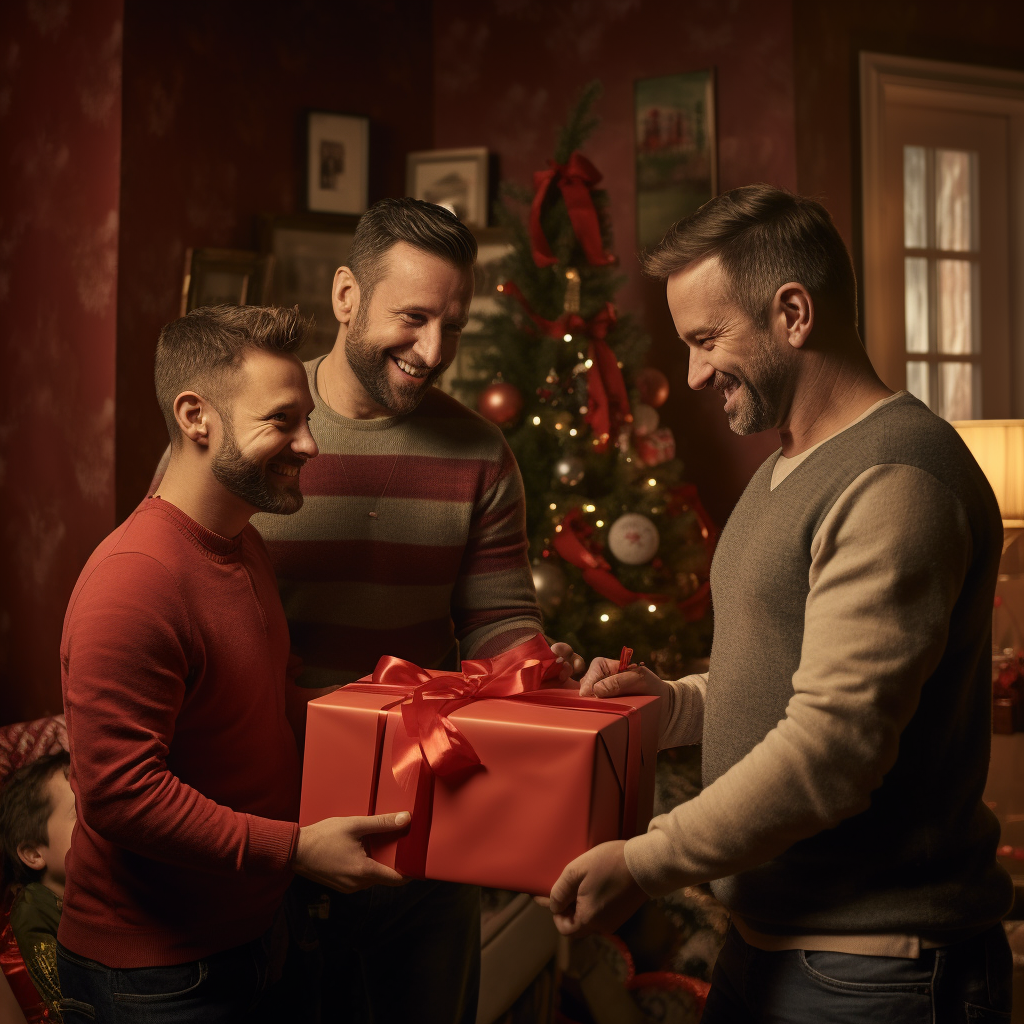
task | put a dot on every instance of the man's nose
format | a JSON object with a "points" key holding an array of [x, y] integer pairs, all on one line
{"points": [[429, 347], [304, 443], [700, 370]]}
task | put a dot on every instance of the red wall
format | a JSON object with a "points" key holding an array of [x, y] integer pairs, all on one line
{"points": [[505, 76], [60, 118], [213, 135]]}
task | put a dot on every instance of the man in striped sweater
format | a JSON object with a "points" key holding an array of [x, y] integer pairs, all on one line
{"points": [[411, 542]]}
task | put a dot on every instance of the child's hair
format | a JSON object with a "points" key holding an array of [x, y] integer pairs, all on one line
{"points": [[25, 807]]}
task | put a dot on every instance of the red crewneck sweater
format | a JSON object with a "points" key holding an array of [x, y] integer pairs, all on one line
{"points": [[185, 770]]}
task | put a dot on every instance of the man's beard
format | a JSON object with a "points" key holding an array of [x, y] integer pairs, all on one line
{"points": [[762, 389], [248, 478], [370, 365]]}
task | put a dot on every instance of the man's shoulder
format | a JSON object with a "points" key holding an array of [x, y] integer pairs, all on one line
{"points": [[441, 414], [146, 551]]}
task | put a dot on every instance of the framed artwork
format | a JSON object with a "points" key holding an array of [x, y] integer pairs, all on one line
{"points": [[225, 277], [305, 251], [461, 380], [676, 163], [337, 162], [453, 178]]}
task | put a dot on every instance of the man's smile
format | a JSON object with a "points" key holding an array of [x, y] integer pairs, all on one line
{"points": [[284, 469], [409, 369]]}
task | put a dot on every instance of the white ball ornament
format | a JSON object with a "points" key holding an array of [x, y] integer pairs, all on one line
{"points": [[569, 470], [645, 420], [633, 539]]}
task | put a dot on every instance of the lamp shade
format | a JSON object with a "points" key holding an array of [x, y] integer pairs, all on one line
{"points": [[998, 447]]}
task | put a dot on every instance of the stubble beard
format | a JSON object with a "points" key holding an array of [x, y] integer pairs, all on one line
{"points": [[370, 365], [763, 389], [247, 478]]}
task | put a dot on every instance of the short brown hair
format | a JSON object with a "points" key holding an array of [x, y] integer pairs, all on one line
{"points": [[25, 807], [763, 236], [195, 351], [424, 225]]}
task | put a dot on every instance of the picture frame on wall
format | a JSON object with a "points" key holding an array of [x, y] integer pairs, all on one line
{"points": [[337, 162], [225, 277], [306, 250], [456, 179], [676, 152]]}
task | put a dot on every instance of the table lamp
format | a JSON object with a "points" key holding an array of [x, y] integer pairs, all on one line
{"points": [[998, 447]]}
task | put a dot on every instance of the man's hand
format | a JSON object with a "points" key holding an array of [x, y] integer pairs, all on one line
{"points": [[572, 665], [603, 679], [596, 892], [331, 852]]}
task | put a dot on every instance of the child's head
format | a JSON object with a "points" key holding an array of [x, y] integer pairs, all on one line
{"points": [[37, 816]]}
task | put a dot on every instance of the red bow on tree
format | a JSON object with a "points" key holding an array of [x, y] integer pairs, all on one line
{"points": [[607, 399], [575, 180]]}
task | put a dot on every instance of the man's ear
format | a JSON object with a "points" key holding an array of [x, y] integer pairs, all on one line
{"points": [[345, 295], [793, 311], [193, 414], [30, 856]]}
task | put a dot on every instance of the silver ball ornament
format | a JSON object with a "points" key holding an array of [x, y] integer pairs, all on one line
{"points": [[550, 583], [645, 419], [569, 470]]}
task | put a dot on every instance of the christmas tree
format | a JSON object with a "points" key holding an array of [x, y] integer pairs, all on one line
{"points": [[620, 545]]}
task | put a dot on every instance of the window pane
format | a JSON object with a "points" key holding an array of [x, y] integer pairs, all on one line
{"points": [[956, 391], [917, 381], [955, 280], [915, 225], [916, 302], [955, 172]]}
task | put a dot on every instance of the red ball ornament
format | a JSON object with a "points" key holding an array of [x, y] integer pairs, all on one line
{"points": [[500, 403], [653, 386]]}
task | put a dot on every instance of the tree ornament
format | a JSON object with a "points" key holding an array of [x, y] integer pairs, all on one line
{"points": [[550, 583], [500, 403], [569, 470], [633, 539], [645, 419], [653, 386]]}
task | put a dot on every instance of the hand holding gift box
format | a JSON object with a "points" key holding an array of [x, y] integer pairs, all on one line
{"points": [[507, 781]]}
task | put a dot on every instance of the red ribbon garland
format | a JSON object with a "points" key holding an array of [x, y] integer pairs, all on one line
{"points": [[571, 543], [575, 179], [431, 745], [607, 398]]}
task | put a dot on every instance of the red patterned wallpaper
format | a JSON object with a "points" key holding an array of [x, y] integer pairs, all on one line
{"points": [[60, 146]]}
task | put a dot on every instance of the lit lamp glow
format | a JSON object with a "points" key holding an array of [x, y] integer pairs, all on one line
{"points": [[998, 448]]}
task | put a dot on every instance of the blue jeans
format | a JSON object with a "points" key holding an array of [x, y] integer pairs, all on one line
{"points": [[224, 988], [969, 981]]}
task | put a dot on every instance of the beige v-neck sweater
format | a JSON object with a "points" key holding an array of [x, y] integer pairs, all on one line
{"points": [[847, 709]]}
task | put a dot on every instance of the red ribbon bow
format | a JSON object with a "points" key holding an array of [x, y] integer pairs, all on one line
{"points": [[430, 735], [607, 398], [575, 180], [571, 542]]}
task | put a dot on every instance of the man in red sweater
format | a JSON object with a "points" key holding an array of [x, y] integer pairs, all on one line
{"points": [[175, 662]]}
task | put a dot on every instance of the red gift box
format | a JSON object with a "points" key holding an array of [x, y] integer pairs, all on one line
{"points": [[506, 782], [656, 447]]}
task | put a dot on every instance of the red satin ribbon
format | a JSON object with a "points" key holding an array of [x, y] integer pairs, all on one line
{"points": [[430, 744], [575, 179], [607, 398], [571, 543]]}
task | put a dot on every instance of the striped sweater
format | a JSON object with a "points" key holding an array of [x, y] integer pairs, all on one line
{"points": [[444, 560]]}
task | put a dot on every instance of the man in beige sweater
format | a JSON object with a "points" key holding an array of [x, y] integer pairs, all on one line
{"points": [[845, 716]]}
